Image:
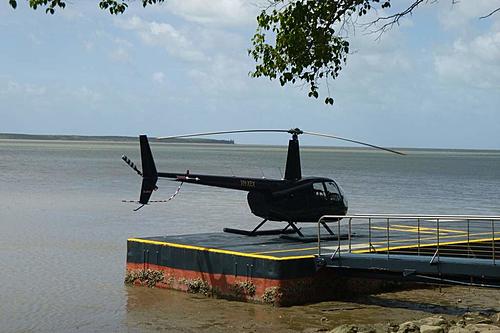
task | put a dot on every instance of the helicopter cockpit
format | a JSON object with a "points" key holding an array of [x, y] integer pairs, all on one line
{"points": [[329, 191]]}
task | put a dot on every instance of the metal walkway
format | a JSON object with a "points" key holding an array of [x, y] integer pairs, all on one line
{"points": [[430, 248]]}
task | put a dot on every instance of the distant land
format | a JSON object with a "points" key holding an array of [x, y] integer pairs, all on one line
{"points": [[15, 136]]}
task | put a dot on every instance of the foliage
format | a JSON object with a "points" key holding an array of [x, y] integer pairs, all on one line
{"points": [[113, 6], [301, 40]]}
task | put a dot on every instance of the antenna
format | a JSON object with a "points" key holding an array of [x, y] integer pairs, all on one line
{"points": [[262, 172]]}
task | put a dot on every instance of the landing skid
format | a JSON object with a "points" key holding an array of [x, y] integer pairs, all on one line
{"points": [[311, 239], [308, 239], [257, 232], [285, 231]]}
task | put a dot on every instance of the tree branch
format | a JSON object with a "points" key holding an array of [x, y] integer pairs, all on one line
{"points": [[393, 19], [493, 12]]}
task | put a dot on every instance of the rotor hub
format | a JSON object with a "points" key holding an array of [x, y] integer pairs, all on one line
{"points": [[295, 131]]}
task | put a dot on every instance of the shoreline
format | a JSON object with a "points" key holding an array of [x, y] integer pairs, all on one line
{"points": [[469, 322], [103, 138]]}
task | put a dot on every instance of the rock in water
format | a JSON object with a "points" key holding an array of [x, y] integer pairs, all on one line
{"points": [[431, 329], [473, 328], [408, 327], [433, 321], [345, 329], [458, 329]]}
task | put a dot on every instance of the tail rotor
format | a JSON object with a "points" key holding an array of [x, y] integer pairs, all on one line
{"points": [[131, 164]]}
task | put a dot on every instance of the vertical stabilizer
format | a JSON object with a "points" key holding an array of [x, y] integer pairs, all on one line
{"points": [[292, 169], [149, 174]]}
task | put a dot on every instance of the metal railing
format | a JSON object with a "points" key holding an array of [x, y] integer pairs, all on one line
{"points": [[469, 236]]}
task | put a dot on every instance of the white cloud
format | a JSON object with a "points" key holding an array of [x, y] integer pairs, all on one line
{"points": [[475, 61], [120, 54], [13, 87], [222, 76], [216, 12], [377, 68], [458, 15], [35, 39], [86, 94], [88, 45], [158, 77], [123, 42], [172, 40]]}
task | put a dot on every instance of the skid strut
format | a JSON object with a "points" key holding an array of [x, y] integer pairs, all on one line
{"points": [[257, 232]]}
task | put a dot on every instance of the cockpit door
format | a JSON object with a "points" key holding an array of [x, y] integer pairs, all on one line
{"points": [[332, 192], [319, 191]]}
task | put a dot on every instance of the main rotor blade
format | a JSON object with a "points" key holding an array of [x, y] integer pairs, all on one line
{"points": [[289, 131], [354, 141], [224, 132]]}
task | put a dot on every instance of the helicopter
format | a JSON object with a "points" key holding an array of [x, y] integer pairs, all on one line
{"points": [[292, 199]]}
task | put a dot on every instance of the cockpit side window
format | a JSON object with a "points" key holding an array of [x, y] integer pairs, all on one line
{"points": [[319, 190]]}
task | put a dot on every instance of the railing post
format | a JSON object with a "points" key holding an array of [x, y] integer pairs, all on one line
{"points": [[338, 235], [370, 233], [468, 238], [319, 236], [493, 239], [388, 237], [437, 249], [349, 235], [418, 237]]}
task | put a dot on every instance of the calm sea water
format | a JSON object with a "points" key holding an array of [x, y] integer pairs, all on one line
{"points": [[64, 228]]}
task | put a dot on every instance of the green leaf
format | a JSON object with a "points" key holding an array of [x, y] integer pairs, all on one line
{"points": [[297, 41]]}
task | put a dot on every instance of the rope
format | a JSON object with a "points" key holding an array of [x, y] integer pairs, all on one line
{"points": [[157, 201], [171, 197]]}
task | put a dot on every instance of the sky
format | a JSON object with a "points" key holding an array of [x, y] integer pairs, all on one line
{"points": [[182, 67]]}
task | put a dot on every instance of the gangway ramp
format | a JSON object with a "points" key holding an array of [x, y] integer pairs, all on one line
{"points": [[463, 249]]}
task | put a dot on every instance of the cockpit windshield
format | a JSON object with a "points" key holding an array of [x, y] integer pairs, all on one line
{"points": [[332, 191], [331, 187], [344, 197], [329, 191]]}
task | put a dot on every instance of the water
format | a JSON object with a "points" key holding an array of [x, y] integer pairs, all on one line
{"points": [[64, 230]]}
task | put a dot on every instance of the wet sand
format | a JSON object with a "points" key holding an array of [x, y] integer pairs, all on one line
{"points": [[153, 310]]}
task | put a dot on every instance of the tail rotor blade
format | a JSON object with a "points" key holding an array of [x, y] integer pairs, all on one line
{"points": [[131, 164], [354, 141]]}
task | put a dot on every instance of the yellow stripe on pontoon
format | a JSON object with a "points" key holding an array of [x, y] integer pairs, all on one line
{"points": [[200, 248]]}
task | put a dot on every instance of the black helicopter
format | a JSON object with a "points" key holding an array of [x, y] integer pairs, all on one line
{"points": [[292, 199]]}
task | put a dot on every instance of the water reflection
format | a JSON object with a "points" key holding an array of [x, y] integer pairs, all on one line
{"points": [[154, 309]]}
